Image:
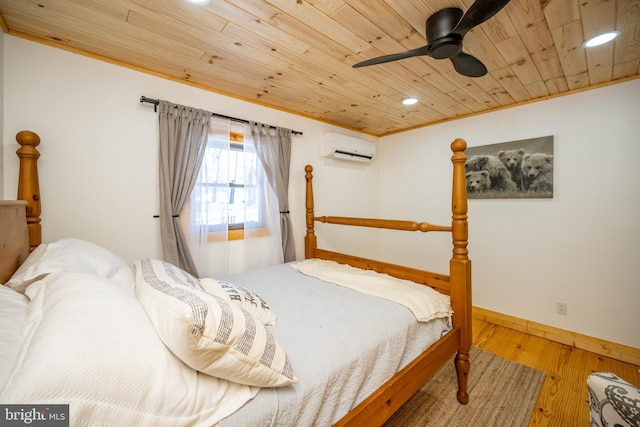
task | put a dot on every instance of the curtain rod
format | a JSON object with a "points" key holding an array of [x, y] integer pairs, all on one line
{"points": [[155, 102]]}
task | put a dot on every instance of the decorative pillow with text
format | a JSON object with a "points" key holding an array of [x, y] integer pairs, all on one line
{"points": [[208, 333], [249, 300]]}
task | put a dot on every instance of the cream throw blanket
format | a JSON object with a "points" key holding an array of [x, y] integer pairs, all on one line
{"points": [[425, 303]]}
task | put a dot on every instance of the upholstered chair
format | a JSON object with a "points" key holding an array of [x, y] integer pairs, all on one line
{"points": [[613, 401]]}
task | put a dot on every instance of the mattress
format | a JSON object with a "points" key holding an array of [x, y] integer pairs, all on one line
{"points": [[342, 344]]}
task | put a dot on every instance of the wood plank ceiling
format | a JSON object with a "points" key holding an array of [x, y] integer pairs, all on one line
{"points": [[297, 56]]}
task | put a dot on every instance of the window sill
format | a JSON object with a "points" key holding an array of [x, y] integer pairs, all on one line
{"points": [[219, 236]]}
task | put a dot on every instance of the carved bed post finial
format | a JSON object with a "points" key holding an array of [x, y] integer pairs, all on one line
{"points": [[460, 267], [28, 184], [310, 241]]}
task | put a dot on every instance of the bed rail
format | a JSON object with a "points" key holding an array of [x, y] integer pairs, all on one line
{"points": [[383, 223]]}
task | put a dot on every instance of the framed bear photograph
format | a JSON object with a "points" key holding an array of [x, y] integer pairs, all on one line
{"points": [[511, 170]]}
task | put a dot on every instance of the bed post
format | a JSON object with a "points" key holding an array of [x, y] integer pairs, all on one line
{"points": [[460, 267], [310, 242], [28, 185]]}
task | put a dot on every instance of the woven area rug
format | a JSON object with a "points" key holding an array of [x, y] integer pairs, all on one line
{"points": [[501, 393]]}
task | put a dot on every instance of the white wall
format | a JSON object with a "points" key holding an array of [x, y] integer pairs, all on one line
{"points": [[581, 248], [98, 169]]}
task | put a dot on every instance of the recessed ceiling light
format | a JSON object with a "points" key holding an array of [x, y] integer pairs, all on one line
{"points": [[199, 2], [601, 38], [409, 101]]}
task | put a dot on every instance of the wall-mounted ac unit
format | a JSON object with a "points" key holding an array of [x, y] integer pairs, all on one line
{"points": [[345, 147]]}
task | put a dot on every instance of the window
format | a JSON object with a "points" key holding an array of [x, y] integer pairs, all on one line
{"points": [[228, 192]]}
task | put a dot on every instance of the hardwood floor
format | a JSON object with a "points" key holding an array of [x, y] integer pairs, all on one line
{"points": [[563, 400]]}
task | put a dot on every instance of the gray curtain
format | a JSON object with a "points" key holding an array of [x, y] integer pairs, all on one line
{"points": [[183, 140], [274, 150]]}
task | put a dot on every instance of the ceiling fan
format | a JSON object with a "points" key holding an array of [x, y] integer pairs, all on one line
{"points": [[445, 31]]}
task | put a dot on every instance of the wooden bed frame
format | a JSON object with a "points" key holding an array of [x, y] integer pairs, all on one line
{"points": [[378, 407]]}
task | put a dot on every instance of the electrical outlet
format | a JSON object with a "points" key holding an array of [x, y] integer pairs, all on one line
{"points": [[561, 308]]}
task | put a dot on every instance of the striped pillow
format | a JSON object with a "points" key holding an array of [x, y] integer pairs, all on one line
{"points": [[208, 333]]}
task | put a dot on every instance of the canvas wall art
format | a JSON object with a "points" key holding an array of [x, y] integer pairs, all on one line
{"points": [[511, 170]]}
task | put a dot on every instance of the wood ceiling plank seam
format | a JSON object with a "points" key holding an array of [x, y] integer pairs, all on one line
{"points": [[479, 97], [117, 9], [437, 5], [384, 44], [551, 69], [534, 40], [326, 62], [406, 81], [338, 92], [328, 7], [318, 57], [500, 27], [442, 99], [478, 44], [411, 39], [517, 56], [495, 91], [556, 85], [82, 42], [597, 16], [290, 25], [626, 69], [367, 30], [291, 89], [387, 20], [560, 12], [189, 36], [511, 84], [600, 64], [628, 43], [415, 12], [467, 104], [203, 16], [537, 90], [332, 80], [311, 17], [431, 88], [85, 27], [529, 18], [261, 28], [473, 86], [568, 41], [482, 97]]}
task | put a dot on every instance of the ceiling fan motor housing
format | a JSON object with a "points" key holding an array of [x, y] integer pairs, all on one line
{"points": [[442, 43]]}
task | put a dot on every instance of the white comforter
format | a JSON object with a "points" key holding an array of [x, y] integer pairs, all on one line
{"points": [[425, 303], [342, 344]]}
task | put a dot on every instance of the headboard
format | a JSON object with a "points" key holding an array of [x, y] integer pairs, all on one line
{"points": [[20, 229]]}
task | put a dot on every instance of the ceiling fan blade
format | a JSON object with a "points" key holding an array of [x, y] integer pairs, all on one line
{"points": [[468, 65], [480, 11], [424, 50]]}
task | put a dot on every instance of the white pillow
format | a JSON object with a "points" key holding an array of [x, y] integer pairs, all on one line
{"points": [[71, 255], [208, 333], [249, 300], [13, 310], [89, 344]]}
